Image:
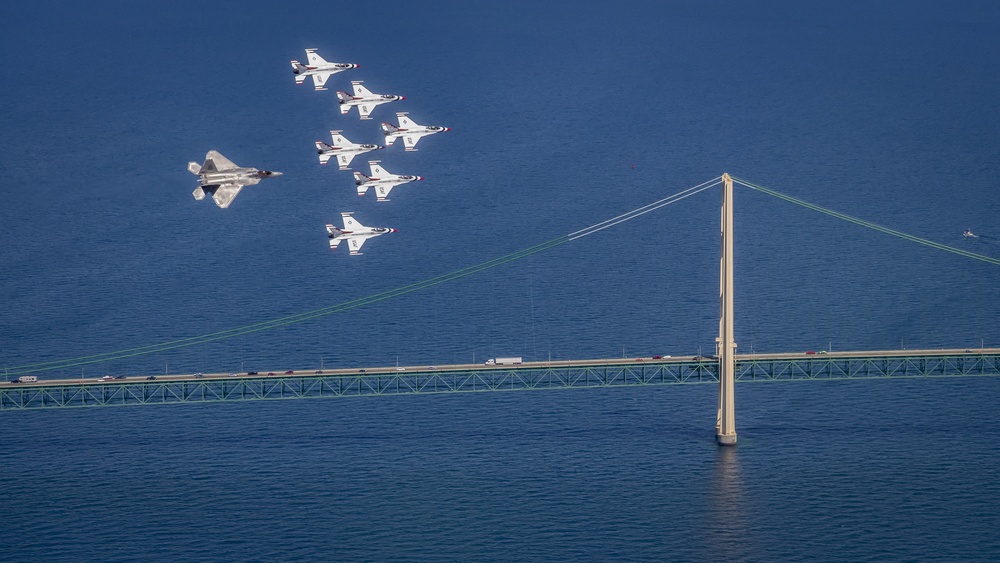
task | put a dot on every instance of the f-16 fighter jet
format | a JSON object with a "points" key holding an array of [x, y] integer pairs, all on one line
{"points": [[220, 177], [318, 68], [381, 180], [364, 100], [409, 131], [344, 150], [354, 233]]}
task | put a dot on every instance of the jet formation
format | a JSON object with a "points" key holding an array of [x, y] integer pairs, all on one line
{"points": [[354, 233], [364, 100], [223, 179], [318, 68], [344, 150], [381, 180]]}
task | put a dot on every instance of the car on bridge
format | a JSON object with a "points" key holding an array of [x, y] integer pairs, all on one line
{"points": [[290, 372]]}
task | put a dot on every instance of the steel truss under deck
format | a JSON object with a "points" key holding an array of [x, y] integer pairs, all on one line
{"points": [[514, 378]]}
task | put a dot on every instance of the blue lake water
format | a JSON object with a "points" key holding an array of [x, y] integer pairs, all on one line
{"points": [[563, 115]]}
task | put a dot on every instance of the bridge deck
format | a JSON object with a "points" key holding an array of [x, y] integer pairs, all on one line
{"points": [[65, 393]]}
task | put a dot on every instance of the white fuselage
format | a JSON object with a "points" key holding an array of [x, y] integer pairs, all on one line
{"points": [[366, 104], [331, 68], [352, 149]]}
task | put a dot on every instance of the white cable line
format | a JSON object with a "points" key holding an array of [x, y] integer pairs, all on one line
{"points": [[643, 210]]}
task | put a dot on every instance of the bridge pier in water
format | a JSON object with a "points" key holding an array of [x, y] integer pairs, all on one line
{"points": [[725, 345]]}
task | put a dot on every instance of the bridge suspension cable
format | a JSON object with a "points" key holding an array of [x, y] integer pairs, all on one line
{"points": [[869, 224], [361, 301]]}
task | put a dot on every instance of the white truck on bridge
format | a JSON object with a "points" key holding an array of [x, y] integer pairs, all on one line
{"points": [[503, 361], [25, 379]]}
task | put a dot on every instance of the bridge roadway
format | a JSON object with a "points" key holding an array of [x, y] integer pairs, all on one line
{"points": [[381, 380]]}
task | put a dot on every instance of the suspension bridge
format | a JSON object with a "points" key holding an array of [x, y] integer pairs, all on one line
{"points": [[723, 369]]}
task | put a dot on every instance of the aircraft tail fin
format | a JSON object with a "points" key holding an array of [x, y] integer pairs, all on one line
{"points": [[194, 168], [198, 193], [362, 182], [333, 233], [388, 129], [299, 70], [324, 151]]}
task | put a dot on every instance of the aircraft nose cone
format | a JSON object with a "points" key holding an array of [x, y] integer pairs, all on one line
{"points": [[275, 174], [392, 230], [447, 128], [420, 178]]}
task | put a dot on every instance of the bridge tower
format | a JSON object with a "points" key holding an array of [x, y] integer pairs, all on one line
{"points": [[725, 345]]}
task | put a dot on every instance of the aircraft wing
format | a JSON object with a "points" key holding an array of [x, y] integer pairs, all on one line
{"points": [[217, 162], [382, 192], [314, 58], [356, 243], [225, 194], [320, 78], [406, 122], [351, 224], [344, 159], [360, 91], [411, 141], [365, 110]]}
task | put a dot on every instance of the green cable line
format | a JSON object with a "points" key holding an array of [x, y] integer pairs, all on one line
{"points": [[425, 284], [870, 225], [291, 319], [300, 317]]}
